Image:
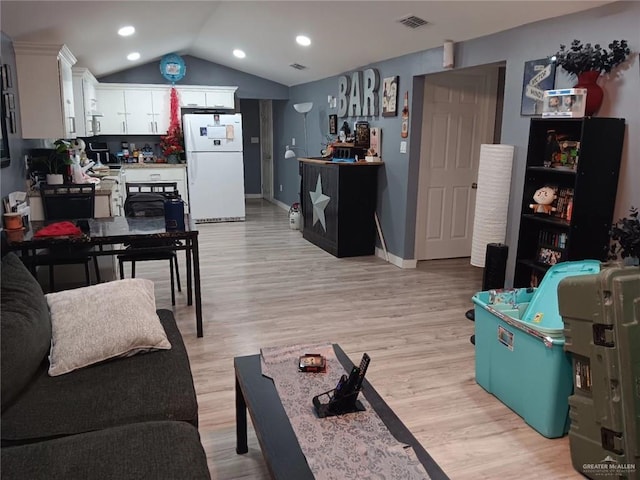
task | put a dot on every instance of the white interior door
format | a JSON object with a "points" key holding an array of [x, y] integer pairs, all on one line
{"points": [[266, 148], [459, 115]]}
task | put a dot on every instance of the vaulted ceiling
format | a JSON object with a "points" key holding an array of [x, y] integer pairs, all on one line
{"points": [[345, 35]]}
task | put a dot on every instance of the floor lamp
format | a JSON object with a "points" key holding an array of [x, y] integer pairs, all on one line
{"points": [[302, 108], [490, 219]]}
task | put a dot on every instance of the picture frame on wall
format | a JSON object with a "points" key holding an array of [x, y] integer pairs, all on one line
{"points": [[13, 127], [9, 102], [7, 82], [390, 96], [539, 75], [333, 124]]}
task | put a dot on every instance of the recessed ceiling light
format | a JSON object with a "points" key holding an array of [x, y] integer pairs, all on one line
{"points": [[303, 40], [126, 31], [133, 56], [239, 53]]}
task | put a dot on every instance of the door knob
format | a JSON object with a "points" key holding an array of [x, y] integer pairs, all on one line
{"points": [[474, 185]]}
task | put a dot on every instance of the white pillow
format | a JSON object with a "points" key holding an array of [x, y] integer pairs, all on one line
{"points": [[108, 320]]}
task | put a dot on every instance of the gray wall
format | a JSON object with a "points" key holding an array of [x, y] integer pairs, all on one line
{"points": [[202, 72], [397, 190]]}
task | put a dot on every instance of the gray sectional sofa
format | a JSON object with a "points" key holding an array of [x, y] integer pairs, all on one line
{"points": [[127, 418]]}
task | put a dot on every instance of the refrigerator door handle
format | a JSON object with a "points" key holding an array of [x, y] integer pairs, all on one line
{"points": [[192, 167]]}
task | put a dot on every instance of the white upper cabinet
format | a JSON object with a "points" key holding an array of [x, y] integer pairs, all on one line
{"points": [[161, 110], [208, 97], [113, 120], [140, 109], [85, 101], [45, 86], [133, 109]]}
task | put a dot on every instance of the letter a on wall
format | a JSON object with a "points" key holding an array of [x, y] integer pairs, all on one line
{"points": [[343, 90], [355, 110]]}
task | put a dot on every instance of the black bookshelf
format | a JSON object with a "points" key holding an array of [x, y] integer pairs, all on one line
{"points": [[579, 229]]}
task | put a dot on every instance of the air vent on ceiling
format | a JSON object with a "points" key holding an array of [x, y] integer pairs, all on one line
{"points": [[412, 21], [297, 66]]}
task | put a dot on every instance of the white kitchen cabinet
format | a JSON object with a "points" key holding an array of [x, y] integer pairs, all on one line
{"points": [[208, 97], [139, 107], [85, 101], [113, 120], [146, 174], [45, 83], [133, 109], [161, 110]]}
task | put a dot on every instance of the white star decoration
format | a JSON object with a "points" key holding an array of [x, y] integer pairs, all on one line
{"points": [[319, 201]]}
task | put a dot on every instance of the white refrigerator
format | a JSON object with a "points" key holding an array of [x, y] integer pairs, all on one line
{"points": [[215, 167]]}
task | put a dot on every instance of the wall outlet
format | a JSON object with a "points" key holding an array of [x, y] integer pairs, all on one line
{"points": [[280, 187], [255, 140], [403, 147], [293, 142]]}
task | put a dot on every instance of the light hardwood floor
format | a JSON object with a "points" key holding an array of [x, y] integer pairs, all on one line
{"points": [[264, 285]]}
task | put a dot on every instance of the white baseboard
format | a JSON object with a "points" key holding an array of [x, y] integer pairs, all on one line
{"points": [[397, 261], [280, 204], [252, 195]]}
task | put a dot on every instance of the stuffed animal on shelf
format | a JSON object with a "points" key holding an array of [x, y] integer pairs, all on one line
{"points": [[544, 197]]}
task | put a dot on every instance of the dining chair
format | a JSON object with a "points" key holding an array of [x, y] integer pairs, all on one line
{"points": [[140, 203], [68, 202]]}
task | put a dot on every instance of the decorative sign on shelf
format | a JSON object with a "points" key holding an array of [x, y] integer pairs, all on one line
{"points": [[539, 75], [172, 67]]}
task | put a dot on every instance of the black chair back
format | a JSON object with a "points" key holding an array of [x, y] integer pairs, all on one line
{"points": [[168, 189], [68, 202]]}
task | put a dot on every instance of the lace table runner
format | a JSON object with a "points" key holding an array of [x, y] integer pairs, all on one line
{"points": [[353, 446]]}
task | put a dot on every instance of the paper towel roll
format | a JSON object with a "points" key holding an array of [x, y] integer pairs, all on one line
{"points": [[492, 199]]}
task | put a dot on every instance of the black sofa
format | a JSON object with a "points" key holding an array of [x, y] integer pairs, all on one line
{"points": [[127, 418]]}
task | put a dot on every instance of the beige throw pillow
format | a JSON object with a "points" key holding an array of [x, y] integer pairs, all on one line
{"points": [[96, 323]]}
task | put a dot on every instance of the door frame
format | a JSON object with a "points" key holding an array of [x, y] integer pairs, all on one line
{"points": [[492, 115]]}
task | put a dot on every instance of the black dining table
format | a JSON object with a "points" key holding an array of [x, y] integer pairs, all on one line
{"points": [[117, 231]]}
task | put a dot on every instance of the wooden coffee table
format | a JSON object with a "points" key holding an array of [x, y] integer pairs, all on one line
{"points": [[278, 441]]}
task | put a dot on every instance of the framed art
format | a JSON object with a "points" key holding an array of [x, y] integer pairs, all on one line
{"points": [[13, 127], [333, 124], [362, 135], [7, 82], [390, 97], [9, 101], [539, 75], [5, 160]]}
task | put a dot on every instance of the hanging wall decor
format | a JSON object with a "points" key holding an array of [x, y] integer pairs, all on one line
{"points": [[539, 75], [333, 124], [404, 130], [390, 97], [173, 68]]}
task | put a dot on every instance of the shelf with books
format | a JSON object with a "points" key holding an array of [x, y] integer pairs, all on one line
{"points": [[577, 225]]}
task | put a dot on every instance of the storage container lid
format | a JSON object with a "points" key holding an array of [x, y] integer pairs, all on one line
{"points": [[542, 314]]}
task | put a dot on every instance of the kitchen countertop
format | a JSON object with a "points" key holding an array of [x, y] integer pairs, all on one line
{"points": [[154, 165]]}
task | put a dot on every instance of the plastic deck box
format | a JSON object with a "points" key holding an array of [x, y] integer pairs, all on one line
{"points": [[601, 316], [520, 355]]}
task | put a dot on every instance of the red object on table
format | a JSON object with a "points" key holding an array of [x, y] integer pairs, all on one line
{"points": [[58, 229]]}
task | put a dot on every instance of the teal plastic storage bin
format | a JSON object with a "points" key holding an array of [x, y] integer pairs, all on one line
{"points": [[543, 314], [520, 356]]}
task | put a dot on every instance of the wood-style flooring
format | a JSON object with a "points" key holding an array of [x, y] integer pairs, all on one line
{"points": [[264, 285]]}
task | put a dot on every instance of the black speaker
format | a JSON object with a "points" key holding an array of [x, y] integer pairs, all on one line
{"points": [[495, 266]]}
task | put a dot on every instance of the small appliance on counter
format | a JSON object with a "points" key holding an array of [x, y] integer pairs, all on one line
{"points": [[99, 153]]}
